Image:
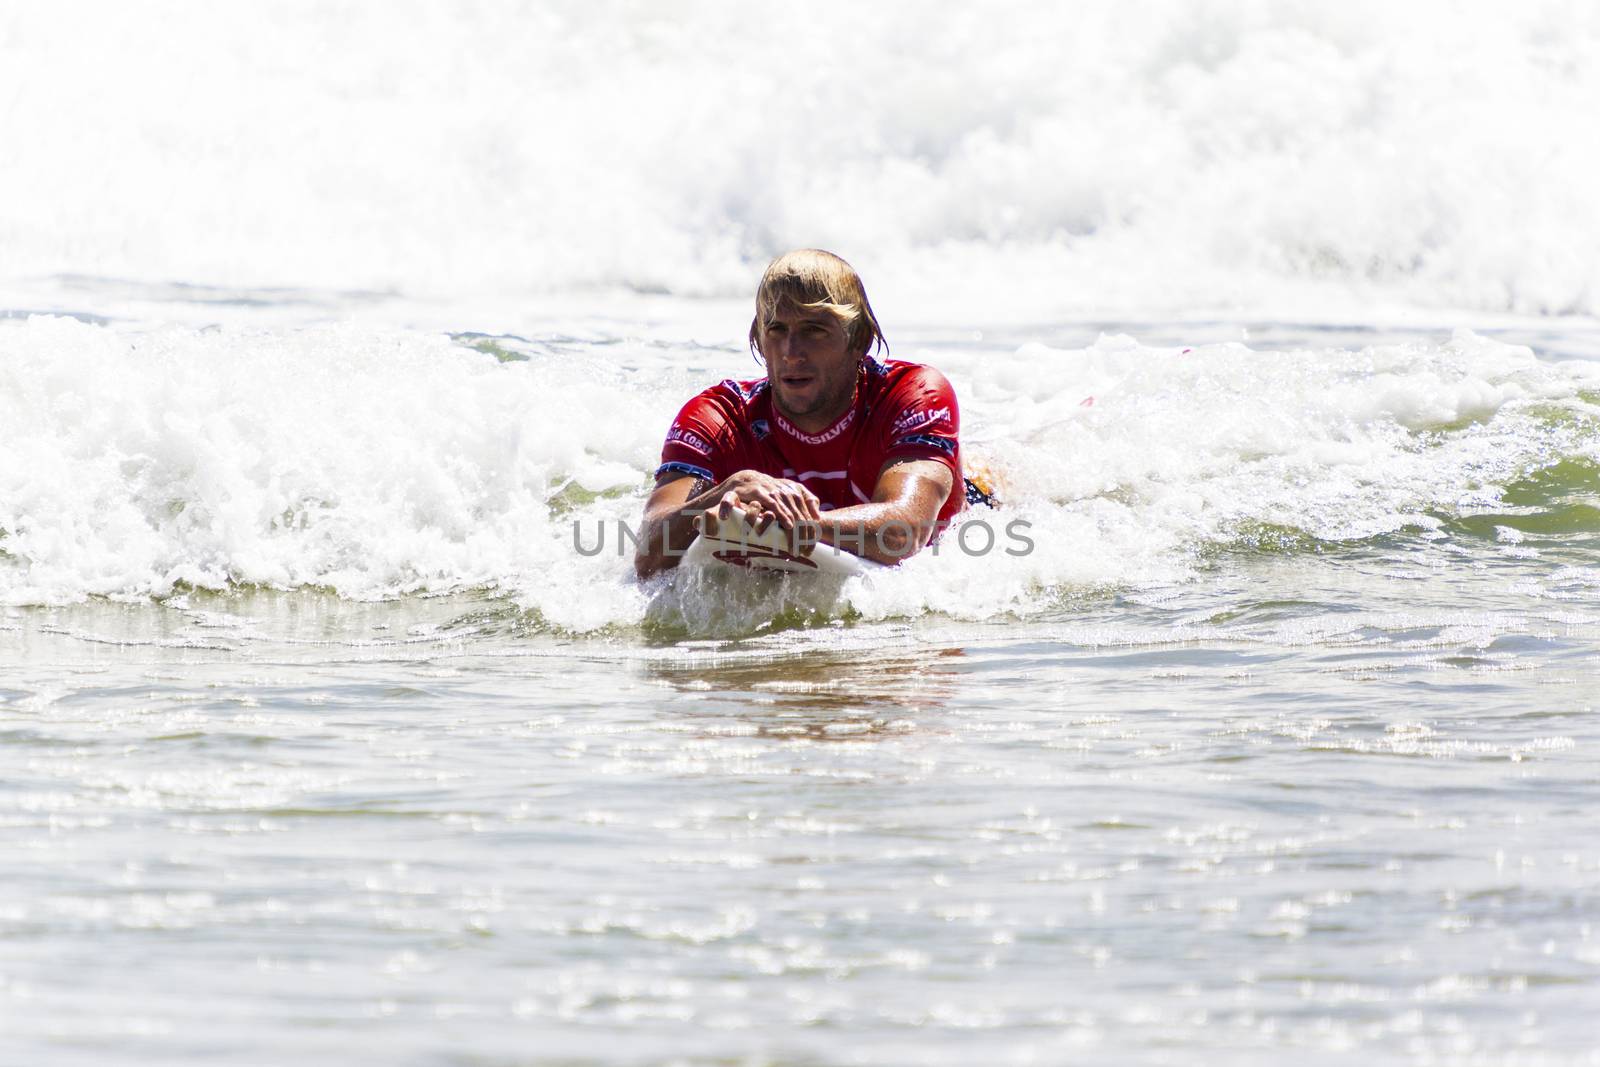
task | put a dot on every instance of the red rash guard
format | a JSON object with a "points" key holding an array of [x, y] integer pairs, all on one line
{"points": [[901, 411]]}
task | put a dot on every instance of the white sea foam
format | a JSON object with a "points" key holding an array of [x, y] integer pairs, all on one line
{"points": [[1032, 157], [1185, 448], [367, 462], [376, 463]]}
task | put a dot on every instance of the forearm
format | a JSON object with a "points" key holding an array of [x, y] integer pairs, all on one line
{"points": [[884, 532], [667, 532]]}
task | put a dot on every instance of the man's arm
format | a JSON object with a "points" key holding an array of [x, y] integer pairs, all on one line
{"points": [[901, 517], [670, 512]]}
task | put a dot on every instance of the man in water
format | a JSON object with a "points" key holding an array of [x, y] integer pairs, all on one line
{"points": [[833, 445]]}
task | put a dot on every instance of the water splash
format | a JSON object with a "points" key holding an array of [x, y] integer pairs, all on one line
{"points": [[139, 462]]}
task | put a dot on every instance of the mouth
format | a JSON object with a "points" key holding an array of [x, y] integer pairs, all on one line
{"points": [[797, 381]]}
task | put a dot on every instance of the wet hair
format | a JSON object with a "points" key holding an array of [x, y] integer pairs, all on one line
{"points": [[814, 280]]}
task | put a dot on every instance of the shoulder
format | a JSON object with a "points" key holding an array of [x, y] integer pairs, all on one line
{"points": [[726, 405], [914, 396], [710, 434], [743, 392], [898, 378]]}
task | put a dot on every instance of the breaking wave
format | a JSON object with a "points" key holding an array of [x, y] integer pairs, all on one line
{"points": [[1034, 158], [381, 463]]}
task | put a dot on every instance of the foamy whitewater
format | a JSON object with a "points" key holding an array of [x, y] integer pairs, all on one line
{"points": [[1256, 723], [1099, 157], [375, 464]]}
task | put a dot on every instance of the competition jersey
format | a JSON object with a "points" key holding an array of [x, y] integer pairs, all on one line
{"points": [[901, 411]]}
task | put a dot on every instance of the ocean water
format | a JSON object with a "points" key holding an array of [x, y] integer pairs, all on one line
{"points": [[1094, 158], [323, 741], [334, 340]]}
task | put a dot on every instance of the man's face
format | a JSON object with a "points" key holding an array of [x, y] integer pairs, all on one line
{"points": [[810, 364]]}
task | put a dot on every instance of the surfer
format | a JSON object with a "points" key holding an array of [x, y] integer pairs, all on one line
{"points": [[834, 444]]}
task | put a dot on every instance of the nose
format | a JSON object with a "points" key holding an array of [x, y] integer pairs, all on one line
{"points": [[788, 349]]}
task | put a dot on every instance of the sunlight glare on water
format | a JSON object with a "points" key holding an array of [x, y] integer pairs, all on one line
{"points": [[1282, 740], [331, 334]]}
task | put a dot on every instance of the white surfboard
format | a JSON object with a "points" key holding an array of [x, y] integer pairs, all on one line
{"points": [[734, 543]]}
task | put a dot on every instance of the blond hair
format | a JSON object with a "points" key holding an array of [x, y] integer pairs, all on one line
{"points": [[815, 280]]}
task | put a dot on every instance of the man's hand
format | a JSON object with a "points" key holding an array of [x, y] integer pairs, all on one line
{"points": [[670, 513], [766, 500]]}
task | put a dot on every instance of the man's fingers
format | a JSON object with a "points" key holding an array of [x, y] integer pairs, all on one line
{"points": [[766, 500], [806, 537], [790, 512], [805, 502], [772, 504], [805, 506]]}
